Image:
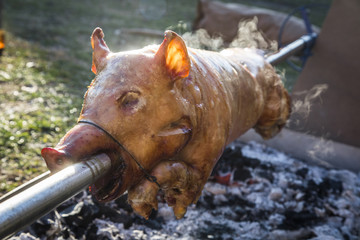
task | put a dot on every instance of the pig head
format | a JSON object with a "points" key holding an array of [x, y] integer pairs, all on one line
{"points": [[168, 112]]}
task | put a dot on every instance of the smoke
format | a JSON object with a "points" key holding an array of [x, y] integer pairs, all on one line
{"points": [[304, 100], [248, 36], [202, 40], [321, 151]]}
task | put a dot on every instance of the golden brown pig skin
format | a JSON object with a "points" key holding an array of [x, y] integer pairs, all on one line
{"points": [[174, 109], [229, 92]]}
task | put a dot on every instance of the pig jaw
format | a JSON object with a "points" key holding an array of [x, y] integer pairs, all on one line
{"points": [[82, 142], [179, 192]]}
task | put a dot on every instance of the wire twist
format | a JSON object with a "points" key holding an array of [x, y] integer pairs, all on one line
{"points": [[148, 176]]}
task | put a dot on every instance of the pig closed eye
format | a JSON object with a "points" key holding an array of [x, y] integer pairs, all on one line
{"points": [[129, 99]]}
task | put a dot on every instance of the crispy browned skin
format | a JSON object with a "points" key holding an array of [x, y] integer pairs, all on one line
{"points": [[174, 109]]}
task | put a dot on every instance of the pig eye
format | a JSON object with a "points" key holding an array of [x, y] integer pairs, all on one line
{"points": [[129, 99]]}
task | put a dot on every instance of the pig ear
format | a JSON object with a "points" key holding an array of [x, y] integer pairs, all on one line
{"points": [[174, 55], [100, 50]]}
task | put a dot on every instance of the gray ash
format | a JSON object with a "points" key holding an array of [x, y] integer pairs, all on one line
{"points": [[255, 192]]}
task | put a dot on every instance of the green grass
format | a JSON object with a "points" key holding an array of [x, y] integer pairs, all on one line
{"points": [[36, 108], [45, 68]]}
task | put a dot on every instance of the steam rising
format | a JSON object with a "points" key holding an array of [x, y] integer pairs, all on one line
{"points": [[202, 40], [248, 36], [321, 151], [304, 100]]}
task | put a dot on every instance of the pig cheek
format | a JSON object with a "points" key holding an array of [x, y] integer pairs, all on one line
{"points": [[87, 145], [170, 145], [86, 141]]}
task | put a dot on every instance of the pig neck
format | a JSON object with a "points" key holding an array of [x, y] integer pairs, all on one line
{"points": [[227, 94]]}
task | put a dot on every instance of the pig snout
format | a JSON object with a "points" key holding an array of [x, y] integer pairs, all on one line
{"points": [[79, 144], [55, 159]]}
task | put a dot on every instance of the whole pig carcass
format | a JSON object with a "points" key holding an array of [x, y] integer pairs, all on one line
{"points": [[164, 115]]}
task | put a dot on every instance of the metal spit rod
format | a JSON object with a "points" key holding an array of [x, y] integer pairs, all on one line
{"points": [[34, 202], [291, 49]]}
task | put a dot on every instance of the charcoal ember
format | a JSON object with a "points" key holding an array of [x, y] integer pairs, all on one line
{"points": [[280, 198], [335, 222], [235, 200], [249, 162], [73, 201], [267, 166], [92, 232], [80, 214], [233, 161], [241, 213], [266, 174], [74, 220], [25, 236], [300, 207], [153, 222], [115, 215], [206, 201], [276, 194], [292, 234], [107, 230], [302, 172], [350, 180], [66, 233], [231, 154], [276, 219], [234, 158], [327, 232], [259, 215], [212, 230], [296, 220], [227, 212], [329, 185], [139, 235], [252, 230], [47, 226], [313, 191], [220, 200], [241, 174], [122, 203]]}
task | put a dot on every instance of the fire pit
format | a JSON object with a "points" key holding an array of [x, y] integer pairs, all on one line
{"points": [[255, 192]]}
